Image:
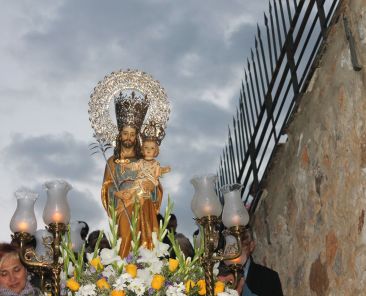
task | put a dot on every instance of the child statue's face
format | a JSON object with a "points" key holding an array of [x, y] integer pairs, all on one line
{"points": [[150, 150]]}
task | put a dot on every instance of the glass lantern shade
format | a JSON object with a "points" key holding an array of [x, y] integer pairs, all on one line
{"points": [[24, 219], [234, 212], [57, 208], [43, 245], [75, 236], [205, 202]]}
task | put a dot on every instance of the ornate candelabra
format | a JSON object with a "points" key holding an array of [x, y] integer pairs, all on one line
{"points": [[236, 264], [207, 209], [23, 224]]}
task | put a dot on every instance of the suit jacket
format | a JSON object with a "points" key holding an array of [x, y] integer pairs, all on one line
{"points": [[262, 281]]}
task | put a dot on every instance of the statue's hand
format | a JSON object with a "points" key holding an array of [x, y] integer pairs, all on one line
{"points": [[147, 186], [124, 195]]}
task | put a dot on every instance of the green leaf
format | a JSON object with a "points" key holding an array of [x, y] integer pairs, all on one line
{"points": [[96, 248]]}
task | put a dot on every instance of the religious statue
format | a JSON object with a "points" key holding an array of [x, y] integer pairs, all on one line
{"points": [[132, 172], [130, 114], [148, 169]]}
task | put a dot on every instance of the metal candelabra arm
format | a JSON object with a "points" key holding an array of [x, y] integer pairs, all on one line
{"points": [[211, 236], [235, 231], [237, 269]]}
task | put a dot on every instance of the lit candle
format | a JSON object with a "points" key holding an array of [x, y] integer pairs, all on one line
{"points": [[207, 209], [23, 226], [236, 220], [57, 217]]}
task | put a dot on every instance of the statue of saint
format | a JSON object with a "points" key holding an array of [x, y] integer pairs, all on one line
{"points": [[130, 112], [142, 111]]}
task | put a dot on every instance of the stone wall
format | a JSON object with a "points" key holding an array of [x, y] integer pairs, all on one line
{"points": [[310, 224]]}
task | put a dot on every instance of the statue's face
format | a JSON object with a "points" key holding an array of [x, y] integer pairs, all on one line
{"points": [[149, 150], [128, 136]]}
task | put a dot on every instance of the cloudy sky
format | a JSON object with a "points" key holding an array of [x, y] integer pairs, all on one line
{"points": [[53, 53]]}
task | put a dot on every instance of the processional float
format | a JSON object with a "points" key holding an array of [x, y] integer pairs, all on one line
{"points": [[142, 105]]}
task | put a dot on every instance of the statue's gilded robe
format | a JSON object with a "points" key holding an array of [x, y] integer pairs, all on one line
{"points": [[147, 218]]}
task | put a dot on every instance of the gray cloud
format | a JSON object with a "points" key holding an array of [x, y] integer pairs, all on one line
{"points": [[75, 38], [54, 156]]}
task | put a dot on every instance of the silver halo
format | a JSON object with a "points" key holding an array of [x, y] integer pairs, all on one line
{"points": [[104, 127]]}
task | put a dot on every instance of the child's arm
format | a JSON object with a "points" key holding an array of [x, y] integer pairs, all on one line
{"points": [[164, 170]]}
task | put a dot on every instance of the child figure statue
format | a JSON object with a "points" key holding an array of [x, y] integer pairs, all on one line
{"points": [[148, 170]]}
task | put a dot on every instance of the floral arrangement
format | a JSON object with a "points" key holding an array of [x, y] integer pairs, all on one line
{"points": [[142, 272]]}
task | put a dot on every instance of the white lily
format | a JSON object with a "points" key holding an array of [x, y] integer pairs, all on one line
{"points": [[160, 249], [89, 256], [87, 290]]}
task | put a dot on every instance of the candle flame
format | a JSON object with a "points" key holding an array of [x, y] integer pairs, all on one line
{"points": [[23, 226], [236, 219], [207, 209], [57, 217]]}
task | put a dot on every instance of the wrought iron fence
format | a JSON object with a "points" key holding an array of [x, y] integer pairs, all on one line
{"points": [[276, 73]]}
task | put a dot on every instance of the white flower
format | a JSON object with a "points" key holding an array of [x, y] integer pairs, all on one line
{"points": [[176, 290], [137, 286], [87, 290], [89, 256], [146, 255], [160, 249], [149, 257], [108, 256], [118, 245], [156, 266], [70, 269], [63, 276], [108, 271], [121, 281], [145, 275]]}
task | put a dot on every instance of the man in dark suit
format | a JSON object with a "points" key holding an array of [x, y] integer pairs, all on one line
{"points": [[257, 279]]}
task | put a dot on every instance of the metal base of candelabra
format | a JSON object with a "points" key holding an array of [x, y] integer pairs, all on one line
{"points": [[211, 237], [21, 237]]}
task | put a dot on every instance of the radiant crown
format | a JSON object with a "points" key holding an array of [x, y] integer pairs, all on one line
{"points": [[154, 132], [131, 110]]}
